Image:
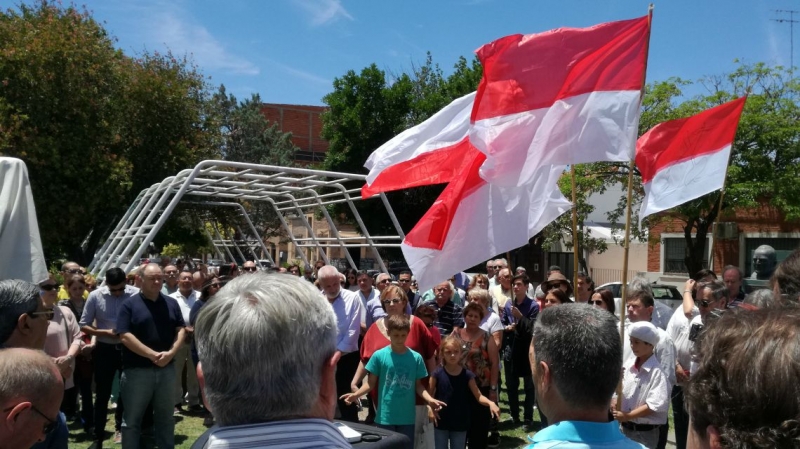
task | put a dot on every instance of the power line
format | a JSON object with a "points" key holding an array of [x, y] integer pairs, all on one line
{"points": [[791, 23]]}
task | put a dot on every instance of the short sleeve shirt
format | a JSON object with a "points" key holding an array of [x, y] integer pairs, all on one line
{"points": [[154, 323], [397, 379]]}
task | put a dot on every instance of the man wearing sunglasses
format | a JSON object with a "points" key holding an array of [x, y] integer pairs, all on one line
{"points": [[69, 269], [30, 396], [23, 324], [249, 267], [711, 297], [100, 319]]}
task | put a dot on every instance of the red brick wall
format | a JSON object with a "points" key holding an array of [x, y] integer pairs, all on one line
{"points": [[304, 122], [764, 218]]}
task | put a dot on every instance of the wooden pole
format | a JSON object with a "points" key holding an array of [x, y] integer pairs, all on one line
{"points": [[574, 233], [631, 166], [719, 207]]}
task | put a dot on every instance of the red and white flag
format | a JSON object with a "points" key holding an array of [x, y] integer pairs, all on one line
{"points": [[546, 100], [565, 96], [684, 159]]}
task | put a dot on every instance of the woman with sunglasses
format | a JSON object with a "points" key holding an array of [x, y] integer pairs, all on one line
{"points": [[84, 369], [604, 299], [350, 276], [394, 302], [63, 344], [210, 288]]}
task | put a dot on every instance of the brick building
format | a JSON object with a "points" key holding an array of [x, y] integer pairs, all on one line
{"points": [[739, 233], [305, 124]]}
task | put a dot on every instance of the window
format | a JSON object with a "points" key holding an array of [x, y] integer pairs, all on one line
{"points": [[675, 253]]}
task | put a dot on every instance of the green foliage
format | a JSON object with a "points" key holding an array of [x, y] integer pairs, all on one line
{"points": [[93, 126], [172, 251], [765, 160], [368, 109]]}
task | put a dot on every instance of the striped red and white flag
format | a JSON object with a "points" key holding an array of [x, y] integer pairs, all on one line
{"points": [[546, 100], [684, 159]]}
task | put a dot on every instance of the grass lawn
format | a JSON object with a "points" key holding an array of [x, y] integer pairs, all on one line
{"points": [[189, 427]]}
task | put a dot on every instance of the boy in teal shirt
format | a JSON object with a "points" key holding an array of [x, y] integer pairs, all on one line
{"points": [[397, 372]]}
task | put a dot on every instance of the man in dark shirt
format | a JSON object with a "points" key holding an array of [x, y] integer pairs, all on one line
{"points": [[519, 315], [151, 327], [449, 314]]}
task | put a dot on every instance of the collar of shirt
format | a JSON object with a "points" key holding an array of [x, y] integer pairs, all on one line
{"points": [[580, 431], [280, 433], [647, 366]]}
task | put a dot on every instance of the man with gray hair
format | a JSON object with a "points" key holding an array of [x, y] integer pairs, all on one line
{"points": [[23, 324], [348, 309], [31, 390], [288, 387], [572, 343]]}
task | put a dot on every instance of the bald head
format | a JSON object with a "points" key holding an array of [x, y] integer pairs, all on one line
{"points": [[27, 374]]}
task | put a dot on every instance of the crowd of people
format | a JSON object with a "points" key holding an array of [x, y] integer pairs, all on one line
{"points": [[301, 347]]}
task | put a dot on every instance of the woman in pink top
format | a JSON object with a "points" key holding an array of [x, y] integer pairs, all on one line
{"points": [[63, 341]]}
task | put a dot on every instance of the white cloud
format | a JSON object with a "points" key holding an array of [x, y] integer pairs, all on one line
{"points": [[160, 23], [308, 76], [322, 12]]}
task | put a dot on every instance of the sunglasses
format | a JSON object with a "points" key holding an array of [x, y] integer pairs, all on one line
{"points": [[705, 303], [404, 281], [251, 269], [46, 313], [383, 281], [391, 301], [596, 302], [76, 271], [49, 287]]}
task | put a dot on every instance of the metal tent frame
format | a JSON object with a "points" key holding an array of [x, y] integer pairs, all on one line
{"points": [[291, 192]]}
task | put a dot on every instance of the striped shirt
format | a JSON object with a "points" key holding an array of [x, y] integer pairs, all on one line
{"points": [[101, 309], [450, 315], [290, 434]]}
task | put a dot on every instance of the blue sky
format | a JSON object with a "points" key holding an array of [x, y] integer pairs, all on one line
{"points": [[289, 51]]}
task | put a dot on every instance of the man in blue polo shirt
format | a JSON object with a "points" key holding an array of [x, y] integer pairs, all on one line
{"points": [[151, 327], [575, 396]]}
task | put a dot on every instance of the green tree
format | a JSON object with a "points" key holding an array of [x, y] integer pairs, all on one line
{"points": [[765, 158], [368, 109], [93, 126]]}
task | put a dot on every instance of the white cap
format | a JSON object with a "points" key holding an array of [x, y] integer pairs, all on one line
{"points": [[645, 331]]}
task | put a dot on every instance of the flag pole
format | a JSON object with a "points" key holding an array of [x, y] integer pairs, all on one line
{"points": [[574, 232], [719, 207], [631, 166]]}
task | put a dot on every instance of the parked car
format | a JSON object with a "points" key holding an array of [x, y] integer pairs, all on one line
{"points": [[215, 262]]}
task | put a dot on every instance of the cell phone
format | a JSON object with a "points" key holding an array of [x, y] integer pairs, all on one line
{"points": [[350, 434]]}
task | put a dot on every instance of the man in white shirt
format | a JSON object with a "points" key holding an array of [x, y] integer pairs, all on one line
{"points": [[501, 293], [347, 307], [186, 297]]}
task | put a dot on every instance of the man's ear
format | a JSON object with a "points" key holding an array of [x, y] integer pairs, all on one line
{"points": [[326, 405], [714, 440], [545, 376], [202, 381], [11, 421]]}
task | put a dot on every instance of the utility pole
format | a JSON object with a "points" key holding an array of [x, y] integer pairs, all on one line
{"points": [[791, 23]]}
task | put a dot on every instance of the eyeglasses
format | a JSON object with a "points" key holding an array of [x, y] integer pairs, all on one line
{"points": [[46, 313], [49, 427], [115, 290], [706, 303], [497, 267], [597, 302], [404, 281], [391, 301], [49, 287], [383, 281], [251, 269], [76, 271]]}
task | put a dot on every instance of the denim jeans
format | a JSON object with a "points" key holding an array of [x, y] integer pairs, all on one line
{"points": [[141, 387], [407, 430], [455, 440]]}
